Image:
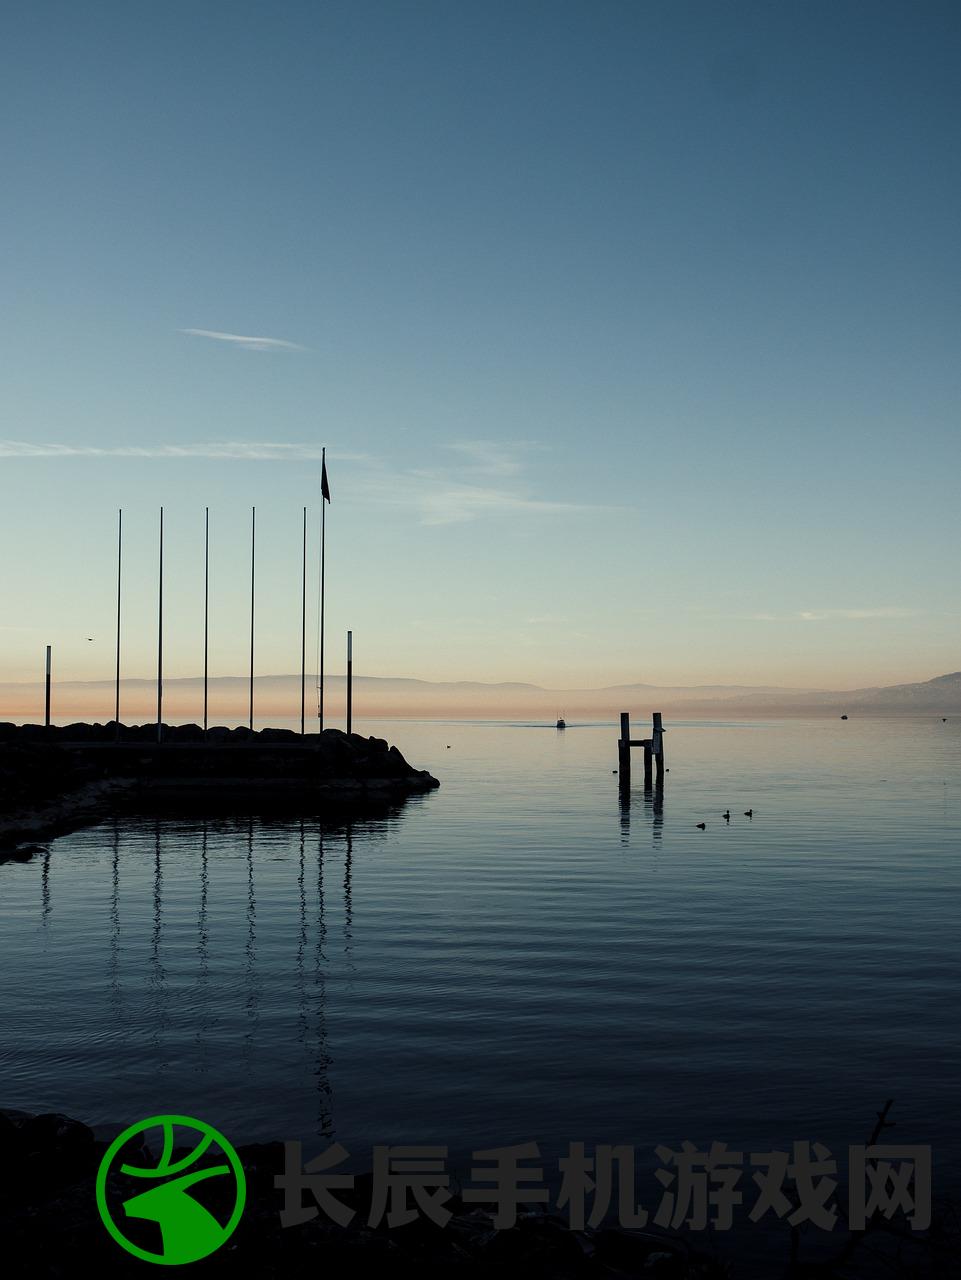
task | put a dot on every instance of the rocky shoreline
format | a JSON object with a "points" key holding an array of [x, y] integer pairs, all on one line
{"points": [[50, 1227], [49, 1223], [56, 780]]}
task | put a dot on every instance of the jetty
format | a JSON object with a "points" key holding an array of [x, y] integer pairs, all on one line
{"points": [[54, 779]]}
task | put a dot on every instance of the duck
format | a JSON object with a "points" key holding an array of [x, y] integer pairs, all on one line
{"points": [[749, 813], [701, 826], [726, 815]]}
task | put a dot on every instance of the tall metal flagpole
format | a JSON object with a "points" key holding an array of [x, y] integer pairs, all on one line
{"points": [[323, 478], [160, 633], [119, 567], [253, 543], [303, 638], [206, 606]]}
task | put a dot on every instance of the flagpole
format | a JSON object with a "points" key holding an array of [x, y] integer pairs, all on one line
{"points": [[323, 521], [350, 678], [253, 543], [206, 608], [119, 566], [303, 637], [160, 632]]}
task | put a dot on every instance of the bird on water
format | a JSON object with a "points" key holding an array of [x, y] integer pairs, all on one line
{"points": [[726, 815], [701, 826], [749, 813]]}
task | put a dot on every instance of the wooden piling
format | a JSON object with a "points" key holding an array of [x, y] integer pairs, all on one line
{"points": [[624, 750], [657, 745], [46, 718]]}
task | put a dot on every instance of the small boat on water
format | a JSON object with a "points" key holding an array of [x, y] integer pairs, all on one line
{"points": [[561, 723]]}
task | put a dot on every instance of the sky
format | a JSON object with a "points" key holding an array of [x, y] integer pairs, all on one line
{"points": [[630, 329]]}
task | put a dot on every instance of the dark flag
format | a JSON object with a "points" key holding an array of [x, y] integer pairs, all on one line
{"points": [[324, 486]]}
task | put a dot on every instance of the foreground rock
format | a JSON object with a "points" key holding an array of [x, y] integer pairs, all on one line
{"points": [[58, 779], [50, 1227]]}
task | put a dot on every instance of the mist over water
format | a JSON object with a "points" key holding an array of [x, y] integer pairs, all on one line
{"points": [[520, 955]]}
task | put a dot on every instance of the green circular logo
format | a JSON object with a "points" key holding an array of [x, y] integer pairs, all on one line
{"points": [[188, 1199]]}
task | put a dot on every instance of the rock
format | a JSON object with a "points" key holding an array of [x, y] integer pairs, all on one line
{"points": [[186, 733], [52, 1132], [51, 786], [277, 735]]}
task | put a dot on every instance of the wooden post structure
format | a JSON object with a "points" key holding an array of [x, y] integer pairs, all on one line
{"points": [[657, 747], [653, 751], [46, 714], [624, 750], [350, 677]]}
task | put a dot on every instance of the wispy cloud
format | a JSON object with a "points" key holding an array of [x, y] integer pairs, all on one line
{"points": [[489, 456], [449, 503], [242, 450], [835, 615], [245, 341], [855, 615], [484, 478]]}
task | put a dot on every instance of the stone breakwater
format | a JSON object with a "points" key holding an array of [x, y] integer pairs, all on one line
{"points": [[58, 779]]}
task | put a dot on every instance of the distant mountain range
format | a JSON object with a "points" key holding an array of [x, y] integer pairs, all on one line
{"points": [[279, 696]]}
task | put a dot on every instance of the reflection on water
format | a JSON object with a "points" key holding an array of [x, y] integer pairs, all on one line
{"points": [[45, 888], [653, 808], [317, 1049], [530, 952], [177, 1007]]}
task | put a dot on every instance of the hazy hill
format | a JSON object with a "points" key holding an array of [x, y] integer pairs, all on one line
{"points": [[279, 696]]}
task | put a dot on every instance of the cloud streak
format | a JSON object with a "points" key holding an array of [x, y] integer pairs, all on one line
{"points": [[836, 615], [240, 450], [245, 341], [485, 479]]}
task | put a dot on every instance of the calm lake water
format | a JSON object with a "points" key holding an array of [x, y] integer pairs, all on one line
{"points": [[518, 955]]}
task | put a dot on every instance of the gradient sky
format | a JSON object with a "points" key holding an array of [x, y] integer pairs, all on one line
{"points": [[631, 330]]}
